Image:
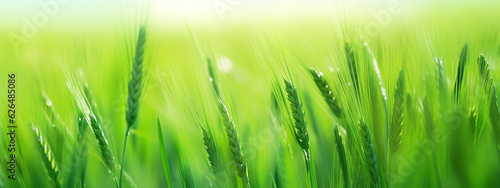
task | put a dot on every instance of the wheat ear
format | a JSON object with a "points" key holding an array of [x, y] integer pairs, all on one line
{"points": [[370, 158], [47, 157], [397, 114], [326, 91], [102, 142], [106, 153], [135, 83], [234, 144], [490, 89], [342, 157], [134, 91], [300, 132], [211, 149]]}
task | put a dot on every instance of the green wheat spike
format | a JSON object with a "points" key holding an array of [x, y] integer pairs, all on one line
{"points": [[342, 156], [397, 114], [326, 91], [370, 158]]}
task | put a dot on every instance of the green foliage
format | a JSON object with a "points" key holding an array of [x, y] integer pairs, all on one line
{"points": [[434, 134], [164, 156]]}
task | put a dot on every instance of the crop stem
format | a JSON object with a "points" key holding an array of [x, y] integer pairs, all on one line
{"points": [[123, 155]]}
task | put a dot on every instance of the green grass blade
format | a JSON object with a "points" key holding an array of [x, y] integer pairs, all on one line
{"points": [[164, 156]]}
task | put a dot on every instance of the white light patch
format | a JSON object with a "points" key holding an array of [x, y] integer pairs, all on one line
{"points": [[225, 64]]}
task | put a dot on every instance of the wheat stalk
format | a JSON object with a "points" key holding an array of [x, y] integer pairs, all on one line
{"points": [[102, 142], [378, 82], [80, 155], [211, 149], [234, 144], [460, 73], [90, 102], [342, 156], [370, 158], [134, 91], [326, 91], [106, 153], [429, 127], [211, 75], [490, 88], [135, 83], [484, 70], [47, 157], [397, 114], [301, 134], [61, 134]]}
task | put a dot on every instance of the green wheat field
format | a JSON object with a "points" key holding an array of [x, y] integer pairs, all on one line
{"points": [[328, 94]]}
